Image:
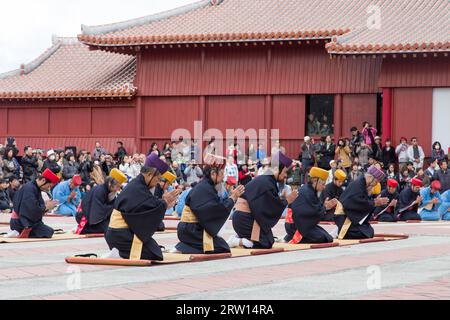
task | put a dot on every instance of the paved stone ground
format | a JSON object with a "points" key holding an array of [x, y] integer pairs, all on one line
{"points": [[417, 268]]}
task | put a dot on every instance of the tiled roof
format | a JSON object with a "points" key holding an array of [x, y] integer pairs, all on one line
{"points": [[69, 69], [411, 25], [406, 26]]}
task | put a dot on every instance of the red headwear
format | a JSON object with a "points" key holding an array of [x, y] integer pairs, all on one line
{"points": [[231, 181], [76, 180], [392, 183], [436, 185], [50, 176], [416, 182]]}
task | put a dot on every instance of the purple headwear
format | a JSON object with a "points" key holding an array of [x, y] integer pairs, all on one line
{"points": [[153, 161], [280, 159], [376, 173]]}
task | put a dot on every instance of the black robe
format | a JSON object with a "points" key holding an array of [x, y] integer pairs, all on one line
{"points": [[159, 192], [266, 208], [357, 205], [307, 211], [331, 192], [30, 207], [406, 197], [97, 209], [211, 213], [389, 215], [143, 212]]}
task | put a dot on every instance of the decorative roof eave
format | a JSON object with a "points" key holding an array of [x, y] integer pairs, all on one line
{"points": [[82, 94], [114, 27], [341, 49], [210, 38]]}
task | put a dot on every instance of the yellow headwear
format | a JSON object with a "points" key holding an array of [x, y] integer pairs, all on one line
{"points": [[170, 177], [340, 175], [377, 189], [318, 173], [118, 175]]}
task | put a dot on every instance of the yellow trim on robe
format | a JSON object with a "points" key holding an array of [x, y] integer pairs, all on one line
{"points": [[340, 212], [117, 222], [189, 217]]}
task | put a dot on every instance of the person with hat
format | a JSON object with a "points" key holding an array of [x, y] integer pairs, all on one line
{"points": [[308, 210], [138, 213], [69, 196], [205, 213], [94, 213], [333, 190], [387, 213], [409, 201], [355, 207], [166, 184], [29, 208], [260, 208], [50, 162], [431, 200]]}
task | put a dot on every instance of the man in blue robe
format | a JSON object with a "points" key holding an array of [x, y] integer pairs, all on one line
{"points": [[431, 200], [69, 196]]}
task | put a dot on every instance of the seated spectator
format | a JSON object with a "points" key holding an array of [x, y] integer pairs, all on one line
{"points": [[245, 175], [97, 175], [107, 164], [14, 186], [71, 167], [50, 163], [68, 195], [5, 201], [126, 168], [443, 175], [437, 153], [231, 170], [86, 166], [355, 173], [404, 178]]}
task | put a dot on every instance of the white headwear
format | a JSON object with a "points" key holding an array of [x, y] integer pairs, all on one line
{"points": [[307, 138], [50, 152]]}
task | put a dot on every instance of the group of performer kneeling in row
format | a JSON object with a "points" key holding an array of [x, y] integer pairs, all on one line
{"points": [[129, 218]]}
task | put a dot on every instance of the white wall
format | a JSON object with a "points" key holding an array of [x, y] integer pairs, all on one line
{"points": [[441, 117]]}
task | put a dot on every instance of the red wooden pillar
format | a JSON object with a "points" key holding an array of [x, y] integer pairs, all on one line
{"points": [[387, 114], [268, 113], [338, 106]]}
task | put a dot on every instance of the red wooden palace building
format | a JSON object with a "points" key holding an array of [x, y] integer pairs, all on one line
{"points": [[240, 64]]}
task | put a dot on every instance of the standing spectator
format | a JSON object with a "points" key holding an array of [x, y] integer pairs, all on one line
{"points": [[416, 154], [377, 149], [388, 154], [195, 151], [177, 171], [306, 156], [364, 151], [356, 139], [12, 143], [97, 174], [443, 176], [260, 153], [30, 165], [71, 167], [167, 151], [86, 166], [343, 153], [437, 153], [312, 126], [390, 172], [265, 165], [193, 173], [404, 178], [121, 152], [231, 170], [327, 153], [108, 164], [98, 151], [276, 148], [369, 133], [50, 163], [154, 149], [10, 166]]}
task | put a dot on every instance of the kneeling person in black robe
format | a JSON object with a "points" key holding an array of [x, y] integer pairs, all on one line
{"points": [[409, 201], [260, 208], [98, 205], [308, 210], [387, 213], [137, 215], [355, 207], [332, 191], [205, 213], [29, 208]]}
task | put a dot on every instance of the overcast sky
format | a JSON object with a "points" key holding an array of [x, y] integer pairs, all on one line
{"points": [[27, 26]]}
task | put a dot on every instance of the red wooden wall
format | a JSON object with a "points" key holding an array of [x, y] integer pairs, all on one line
{"points": [[358, 108]]}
